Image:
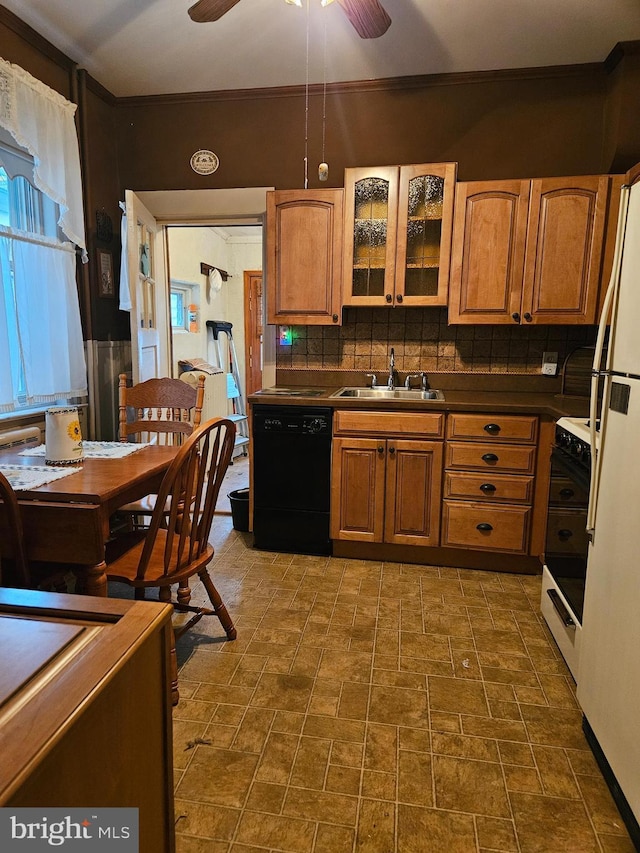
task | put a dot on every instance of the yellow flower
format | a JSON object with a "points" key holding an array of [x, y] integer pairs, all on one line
{"points": [[73, 431]]}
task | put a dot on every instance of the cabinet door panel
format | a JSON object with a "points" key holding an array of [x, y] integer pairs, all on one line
{"points": [[357, 489], [413, 490], [304, 256], [425, 222], [370, 228], [487, 256], [564, 249]]}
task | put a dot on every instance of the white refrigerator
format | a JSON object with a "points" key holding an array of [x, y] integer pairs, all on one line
{"points": [[608, 683]]}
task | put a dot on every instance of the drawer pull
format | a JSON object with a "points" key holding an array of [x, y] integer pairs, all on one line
{"points": [[492, 429], [490, 457], [484, 527], [564, 534], [566, 493], [487, 487], [561, 610]]}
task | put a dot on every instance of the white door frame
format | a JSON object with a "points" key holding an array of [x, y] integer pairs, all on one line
{"points": [[246, 205]]}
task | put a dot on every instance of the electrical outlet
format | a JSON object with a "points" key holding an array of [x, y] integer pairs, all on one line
{"points": [[549, 363], [285, 337]]}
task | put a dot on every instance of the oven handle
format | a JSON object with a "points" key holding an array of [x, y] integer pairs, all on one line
{"points": [[608, 311], [561, 610]]}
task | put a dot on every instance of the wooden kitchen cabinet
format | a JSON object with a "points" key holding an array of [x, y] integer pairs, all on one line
{"points": [[304, 256], [397, 234], [386, 477], [489, 486], [85, 707], [528, 252]]}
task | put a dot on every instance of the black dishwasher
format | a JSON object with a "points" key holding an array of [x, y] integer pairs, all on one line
{"points": [[291, 478]]}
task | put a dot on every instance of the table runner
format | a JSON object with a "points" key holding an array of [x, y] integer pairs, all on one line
{"points": [[24, 477], [96, 449]]}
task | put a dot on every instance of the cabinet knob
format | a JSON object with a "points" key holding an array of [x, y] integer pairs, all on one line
{"points": [[380, 448], [490, 457], [399, 297], [528, 317], [484, 527], [487, 487], [515, 316], [492, 429], [392, 450], [566, 493], [564, 534], [335, 318], [388, 297]]}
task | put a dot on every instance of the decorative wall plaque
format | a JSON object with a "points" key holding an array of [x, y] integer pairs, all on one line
{"points": [[204, 162]]}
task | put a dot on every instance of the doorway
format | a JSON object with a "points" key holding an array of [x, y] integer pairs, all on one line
{"points": [[207, 266]]}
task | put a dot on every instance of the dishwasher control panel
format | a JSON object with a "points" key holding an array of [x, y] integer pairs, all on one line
{"points": [[292, 420]]}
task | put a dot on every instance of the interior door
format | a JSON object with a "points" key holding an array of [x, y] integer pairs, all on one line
{"points": [[150, 327], [253, 329]]}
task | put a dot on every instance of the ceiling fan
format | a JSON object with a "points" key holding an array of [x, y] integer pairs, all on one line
{"points": [[368, 17]]}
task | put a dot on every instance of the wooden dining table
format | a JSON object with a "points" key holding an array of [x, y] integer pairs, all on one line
{"points": [[67, 521]]}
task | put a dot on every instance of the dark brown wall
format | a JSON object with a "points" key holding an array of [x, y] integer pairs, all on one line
{"points": [[494, 125], [102, 193], [531, 123]]}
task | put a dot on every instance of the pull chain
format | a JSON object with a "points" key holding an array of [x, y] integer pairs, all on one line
{"points": [[306, 112]]}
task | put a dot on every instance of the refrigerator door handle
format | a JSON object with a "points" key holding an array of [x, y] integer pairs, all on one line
{"points": [[608, 311]]}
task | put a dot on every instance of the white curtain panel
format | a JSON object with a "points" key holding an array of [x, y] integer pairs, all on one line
{"points": [[48, 322], [9, 370], [42, 121]]}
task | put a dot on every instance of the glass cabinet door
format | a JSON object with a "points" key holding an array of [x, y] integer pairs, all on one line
{"points": [[371, 212], [425, 221]]}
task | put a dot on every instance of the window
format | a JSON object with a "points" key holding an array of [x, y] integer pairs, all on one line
{"points": [[30, 249], [184, 305], [42, 357]]}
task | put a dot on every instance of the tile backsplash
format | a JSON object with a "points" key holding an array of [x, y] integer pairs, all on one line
{"points": [[422, 340]]}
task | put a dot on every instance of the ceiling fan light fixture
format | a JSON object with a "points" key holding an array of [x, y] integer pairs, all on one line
{"points": [[326, 2], [294, 2]]}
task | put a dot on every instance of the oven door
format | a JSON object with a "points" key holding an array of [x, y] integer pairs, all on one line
{"points": [[565, 569]]}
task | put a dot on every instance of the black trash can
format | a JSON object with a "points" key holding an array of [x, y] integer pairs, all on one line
{"points": [[240, 509]]}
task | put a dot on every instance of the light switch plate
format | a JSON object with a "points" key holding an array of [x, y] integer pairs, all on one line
{"points": [[549, 363]]}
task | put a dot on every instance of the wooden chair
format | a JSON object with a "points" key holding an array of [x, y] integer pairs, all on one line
{"points": [[15, 568], [165, 411], [176, 547]]}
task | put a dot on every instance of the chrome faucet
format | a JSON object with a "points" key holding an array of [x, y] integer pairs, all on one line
{"points": [[392, 365]]}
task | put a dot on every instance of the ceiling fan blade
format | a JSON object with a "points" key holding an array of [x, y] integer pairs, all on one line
{"points": [[210, 10], [368, 17]]}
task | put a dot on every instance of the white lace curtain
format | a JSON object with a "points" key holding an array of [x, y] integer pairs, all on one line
{"points": [[42, 121], [41, 346]]}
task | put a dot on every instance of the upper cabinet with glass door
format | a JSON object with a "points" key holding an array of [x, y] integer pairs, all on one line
{"points": [[398, 225]]}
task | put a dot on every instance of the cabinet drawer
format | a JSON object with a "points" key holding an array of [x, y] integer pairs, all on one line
{"points": [[489, 487], [566, 531], [521, 428], [485, 527], [505, 458], [564, 492], [418, 424]]}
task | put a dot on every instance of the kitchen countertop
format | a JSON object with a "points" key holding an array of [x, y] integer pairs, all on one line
{"points": [[526, 402]]}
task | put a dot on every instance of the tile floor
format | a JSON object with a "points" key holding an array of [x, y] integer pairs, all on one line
{"points": [[379, 708]]}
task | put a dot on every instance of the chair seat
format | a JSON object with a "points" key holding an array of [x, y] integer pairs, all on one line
{"points": [[145, 506], [124, 567]]}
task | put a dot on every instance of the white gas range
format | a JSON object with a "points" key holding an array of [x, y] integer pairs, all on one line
{"points": [[566, 548]]}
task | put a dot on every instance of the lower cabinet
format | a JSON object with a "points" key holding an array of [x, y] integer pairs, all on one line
{"points": [[386, 477], [490, 464], [85, 709]]}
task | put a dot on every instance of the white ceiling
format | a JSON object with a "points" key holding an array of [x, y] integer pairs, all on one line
{"points": [[149, 47]]}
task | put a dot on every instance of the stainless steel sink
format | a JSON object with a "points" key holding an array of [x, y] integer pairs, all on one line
{"points": [[390, 393]]}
